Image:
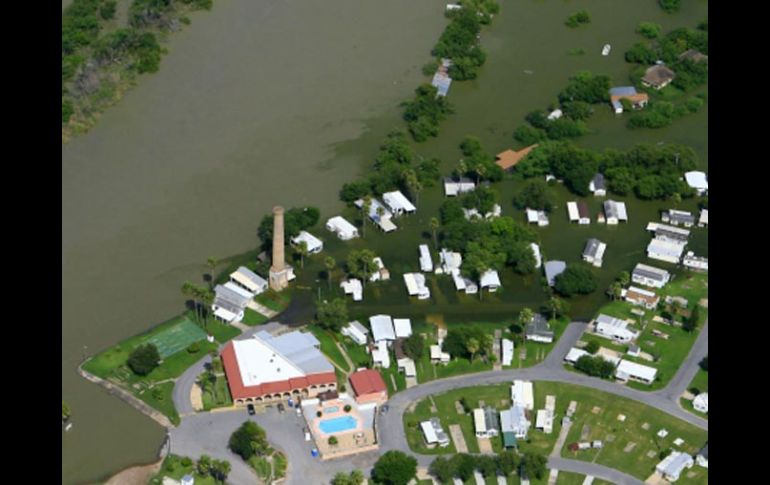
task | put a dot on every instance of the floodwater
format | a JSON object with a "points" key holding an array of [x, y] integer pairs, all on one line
{"points": [[261, 103], [243, 115]]}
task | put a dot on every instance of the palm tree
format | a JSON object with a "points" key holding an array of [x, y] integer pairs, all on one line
{"points": [[525, 316], [557, 306], [207, 298], [462, 167], [301, 249], [212, 263], [380, 212], [472, 346], [413, 184], [366, 207], [357, 477], [614, 290], [330, 263], [624, 278], [434, 225], [188, 290]]}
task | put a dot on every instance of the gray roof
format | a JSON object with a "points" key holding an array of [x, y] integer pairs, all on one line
{"points": [[623, 91], [300, 348], [490, 418], [553, 269], [704, 452], [441, 81], [440, 433], [251, 276], [357, 325], [538, 326], [592, 247], [650, 272], [225, 296], [677, 236], [681, 217], [676, 463], [598, 182]]}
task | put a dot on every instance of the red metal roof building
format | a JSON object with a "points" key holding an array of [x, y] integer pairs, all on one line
{"points": [[369, 386]]}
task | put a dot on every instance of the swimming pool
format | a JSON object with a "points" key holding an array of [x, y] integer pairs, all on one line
{"points": [[337, 425], [332, 409]]}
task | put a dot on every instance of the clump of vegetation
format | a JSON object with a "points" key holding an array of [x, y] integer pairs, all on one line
{"points": [[468, 342], [144, 359], [65, 411], [414, 346], [650, 30], [459, 42], [578, 51], [595, 366], [332, 315], [662, 113], [295, 220], [577, 279], [535, 195], [249, 440], [394, 468], [424, 113], [592, 347], [194, 348], [356, 477], [670, 6], [577, 19]]}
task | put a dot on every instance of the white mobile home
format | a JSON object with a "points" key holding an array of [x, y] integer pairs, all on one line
{"points": [[677, 217], [522, 393], [507, 351], [402, 327], [415, 285], [457, 186], [665, 250], [353, 287], [650, 276], [614, 328], [537, 217], [628, 370], [356, 331], [398, 203], [697, 180], [536, 253], [674, 464], [314, 245], [594, 252], [382, 328], [615, 212], [639, 297], [490, 280], [695, 262], [248, 279], [342, 228], [426, 261], [596, 186]]}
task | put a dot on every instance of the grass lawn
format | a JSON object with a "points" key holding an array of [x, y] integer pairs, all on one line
{"points": [[173, 468], [328, 346], [604, 423], [700, 383], [252, 318], [671, 352], [163, 402], [497, 396], [175, 365], [357, 353], [222, 332], [275, 301], [220, 397], [599, 426], [570, 478]]}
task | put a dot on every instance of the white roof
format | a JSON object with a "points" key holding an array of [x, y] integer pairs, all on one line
{"points": [[244, 293], [572, 211], [435, 352], [415, 285], [704, 216], [701, 401], [507, 351], [429, 432], [403, 327], [251, 280], [490, 278], [522, 393], [666, 247], [628, 368], [374, 204], [454, 187], [555, 114], [355, 330], [426, 261], [479, 421], [259, 363], [657, 226], [386, 224], [312, 242], [408, 365], [616, 208], [340, 225], [353, 286], [536, 252], [380, 355], [696, 180], [674, 463], [531, 215], [397, 201], [450, 260], [224, 314], [544, 419], [574, 354], [382, 327]]}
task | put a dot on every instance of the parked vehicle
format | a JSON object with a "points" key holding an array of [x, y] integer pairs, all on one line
{"points": [[250, 409], [280, 407]]}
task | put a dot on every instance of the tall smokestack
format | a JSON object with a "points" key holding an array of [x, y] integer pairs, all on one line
{"points": [[279, 271]]}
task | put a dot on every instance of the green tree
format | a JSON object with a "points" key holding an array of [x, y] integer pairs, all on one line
{"points": [[557, 306], [464, 465], [578, 18], [65, 411], [442, 469], [212, 264], [624, 278], [525, 316], [649, 30], [434, 225], [670, 6], [394, 468], [614, 290], [473, 346], [366, 207], [107, 10], [414, 346], [413, 185], [536, 195], [704, 363], [356, 477], [534, 465], [248, 440], [144, 359], [301, 249], [487, 465], [332, 315], [592, 347], [576, 279], [333, 440], [508, 462], [204, 465], [361, 264], [220, 469], [330, 264]]}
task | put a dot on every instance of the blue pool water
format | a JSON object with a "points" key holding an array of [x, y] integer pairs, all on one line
{"points": [[332, 409], [336, 425]]}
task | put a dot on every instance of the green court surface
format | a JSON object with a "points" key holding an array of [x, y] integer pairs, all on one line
{"points": [[176, 338]]}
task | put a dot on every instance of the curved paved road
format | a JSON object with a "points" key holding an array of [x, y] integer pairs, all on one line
{"points": [[217, 427]]}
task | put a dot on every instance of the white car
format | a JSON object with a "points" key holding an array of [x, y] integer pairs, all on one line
{"points": [[307, 436], [299, 411]]}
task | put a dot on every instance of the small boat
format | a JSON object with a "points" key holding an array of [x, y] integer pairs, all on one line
{"points": [[68, 427], [606, 50], [527, 71]]}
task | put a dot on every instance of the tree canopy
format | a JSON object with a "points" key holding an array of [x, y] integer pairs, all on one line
{"points": [[295, 220], [332, 315], [576, 279], [467, 342], [394, 468], [144, 359], [249, 440], [535, 195]]}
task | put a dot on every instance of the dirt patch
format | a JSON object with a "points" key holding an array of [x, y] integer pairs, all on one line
{"points": [[704, 302], [457, 436], [596, 410], [629, 447], [651, 454], [585, 432], [609, 438], [485, 445], [646, 426], [196, 397], [656, 479], [691, 474], [135, 474], [459, 408], [433, 408]]}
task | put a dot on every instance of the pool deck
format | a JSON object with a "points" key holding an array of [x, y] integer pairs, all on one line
{"points": [[350, 441], [340, 405]]}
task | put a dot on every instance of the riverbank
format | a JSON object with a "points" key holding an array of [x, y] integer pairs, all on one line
{"points": [[106, 46]]}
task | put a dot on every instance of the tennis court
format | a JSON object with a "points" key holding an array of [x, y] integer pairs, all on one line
{"points": [[177, 337]]}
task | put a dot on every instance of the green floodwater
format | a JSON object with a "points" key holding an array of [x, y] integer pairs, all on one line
{"points": [[262, 103]]}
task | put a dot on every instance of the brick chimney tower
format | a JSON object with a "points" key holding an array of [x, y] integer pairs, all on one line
{"points": [[280, 272]]}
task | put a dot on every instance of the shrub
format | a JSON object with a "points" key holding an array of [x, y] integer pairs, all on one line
{"points": [[333, 440], [248, 440], [194, 348], [347, 408], [578, 18], [144, 359], [592, 347], [319, 414], [187, 461]]}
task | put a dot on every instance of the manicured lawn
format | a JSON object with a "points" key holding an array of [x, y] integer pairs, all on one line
{"points": [[175, 365], [173, 468], [222, 332], [398, 376], [599, 426], [570, 478], [220, 396], [604, 423], [328, 346], [252, 318], [164, 403], [700, 383], [357, 353], [497, 396]]}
